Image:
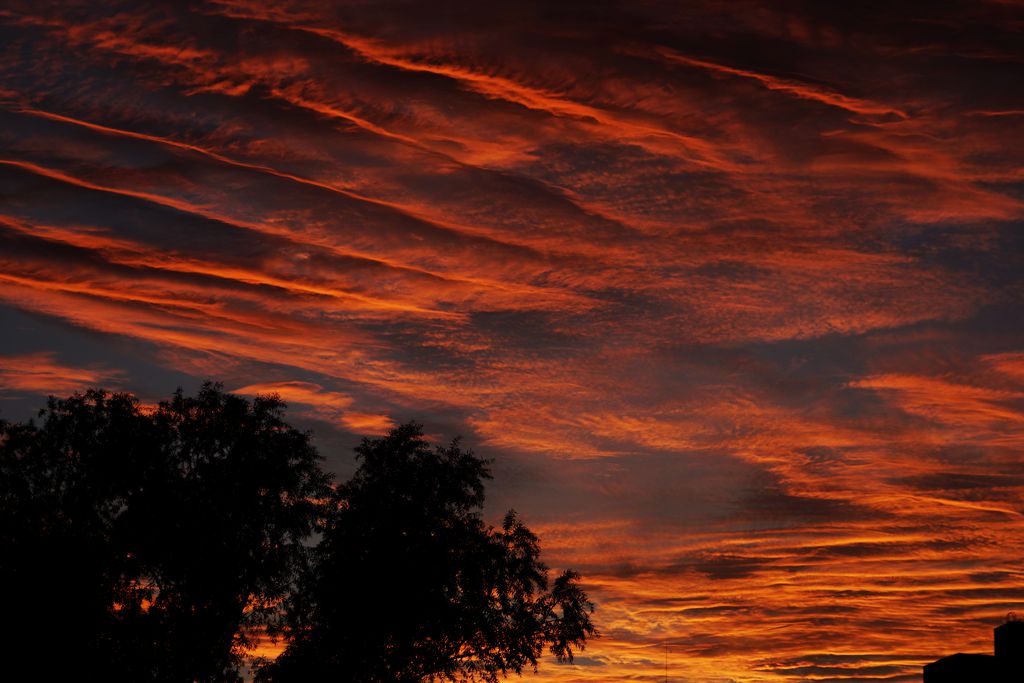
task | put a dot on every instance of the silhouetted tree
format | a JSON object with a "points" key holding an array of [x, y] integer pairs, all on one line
{"points": [[409, 584], [139, 544]]}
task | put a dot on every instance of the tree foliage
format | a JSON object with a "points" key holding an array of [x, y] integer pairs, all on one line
{"points": [[139, 544], [410, 584], [146, 543]]}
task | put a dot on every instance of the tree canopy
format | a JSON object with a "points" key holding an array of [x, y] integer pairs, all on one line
{"points": [[144, 543], [410, 584], [139, 544]]}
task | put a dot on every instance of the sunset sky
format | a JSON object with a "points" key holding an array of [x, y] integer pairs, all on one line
{"points": [[731, 292]]}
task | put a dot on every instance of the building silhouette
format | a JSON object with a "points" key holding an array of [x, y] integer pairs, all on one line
{"points": [[1005, 666]]}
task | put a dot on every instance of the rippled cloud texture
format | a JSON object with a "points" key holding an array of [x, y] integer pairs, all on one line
{"points": [[730, 291]]}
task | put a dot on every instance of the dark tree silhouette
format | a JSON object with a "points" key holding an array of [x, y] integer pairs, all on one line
{"points": [[409, 584], [138, 545]]}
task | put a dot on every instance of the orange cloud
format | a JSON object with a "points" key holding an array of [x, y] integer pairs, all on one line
{"points": [[43, 373], [730, 297], [323, 404]]}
